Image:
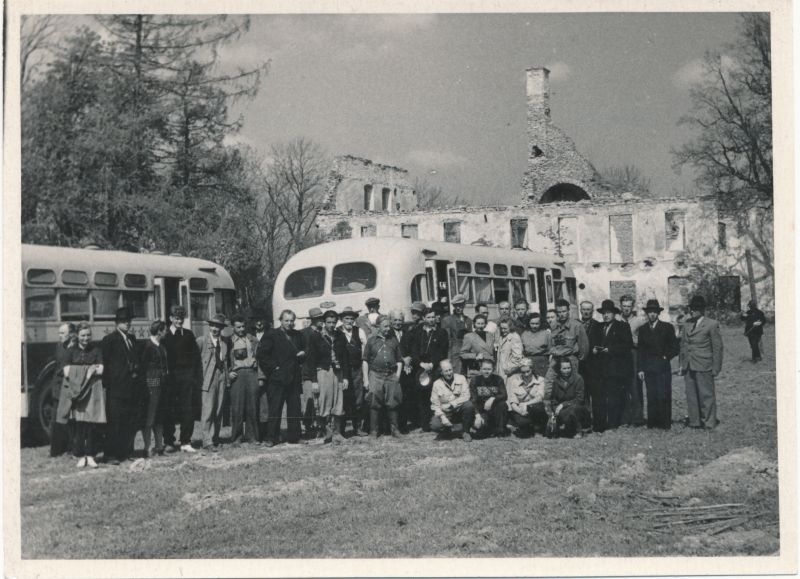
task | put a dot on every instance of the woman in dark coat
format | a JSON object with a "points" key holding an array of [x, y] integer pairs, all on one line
{"points": [[82, 396], [154, 366]]}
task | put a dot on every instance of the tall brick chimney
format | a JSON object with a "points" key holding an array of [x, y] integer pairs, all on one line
{"points": [[538, 87]]}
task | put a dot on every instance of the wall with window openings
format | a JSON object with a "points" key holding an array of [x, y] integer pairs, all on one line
{"points": [[615, 247], [357, 185]]}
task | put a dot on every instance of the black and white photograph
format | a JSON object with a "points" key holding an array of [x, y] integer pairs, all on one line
{"points": [[399, 290]]}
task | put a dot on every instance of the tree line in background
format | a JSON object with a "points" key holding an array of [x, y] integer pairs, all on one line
{"points": [[127, 143]]}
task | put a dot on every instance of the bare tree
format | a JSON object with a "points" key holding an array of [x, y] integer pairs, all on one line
{"points": [[732, 115], [626, 179], [430, 196], [35, 35]]}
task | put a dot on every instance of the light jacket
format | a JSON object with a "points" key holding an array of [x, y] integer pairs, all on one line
{"points": [[208, 361], [521, 394], [701, 347], [456, 394], [509, 354]]}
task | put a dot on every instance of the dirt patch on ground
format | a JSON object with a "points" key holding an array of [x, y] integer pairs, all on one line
{"points": [[744, 468], [740, 542]]}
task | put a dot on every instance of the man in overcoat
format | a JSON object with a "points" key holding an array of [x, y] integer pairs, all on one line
{"points": [[182, 388], [700, 363], [430, 346], [122, 382], [280, 356], [754, 321], [657, 346], [215, 365], [612, 349], [457, 325]]}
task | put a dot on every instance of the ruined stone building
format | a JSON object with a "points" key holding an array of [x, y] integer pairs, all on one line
{"points": [[618, 242]]}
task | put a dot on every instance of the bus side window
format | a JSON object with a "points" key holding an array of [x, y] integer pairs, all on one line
{"points": [[419, 288], [199, 305], [501, 293], [40, 303], [483, 290], [225, 302], [104, 304], [74, 305], [138, 304]]}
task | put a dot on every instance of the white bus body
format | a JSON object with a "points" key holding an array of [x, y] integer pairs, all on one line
{"points": [[400, 271]]}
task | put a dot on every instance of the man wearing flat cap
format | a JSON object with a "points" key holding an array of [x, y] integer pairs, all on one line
{"points": [[215, 365], [612, 350], [368, 320], [457, 325], [700, 363], [657, 346], [121, 380], [354, 404]]}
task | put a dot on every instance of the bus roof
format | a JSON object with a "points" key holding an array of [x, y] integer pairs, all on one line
{"points": [[149, 264], [380, 247]]}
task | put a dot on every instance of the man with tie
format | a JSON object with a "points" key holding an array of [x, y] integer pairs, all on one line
{"points": [[700, 362], [633, 413], [215, 378], [280, 356], [612, 349], [586, 367], [182, 394], [408, 379], [122, 383], [657, 346]]}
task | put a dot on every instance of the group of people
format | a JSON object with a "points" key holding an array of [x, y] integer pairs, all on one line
{"points": [[384, 375]]}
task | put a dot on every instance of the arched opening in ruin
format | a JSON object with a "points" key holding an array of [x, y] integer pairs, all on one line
{"points": [[564, 192]]}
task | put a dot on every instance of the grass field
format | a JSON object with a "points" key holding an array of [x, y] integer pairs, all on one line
{"points": [[632, 492]]}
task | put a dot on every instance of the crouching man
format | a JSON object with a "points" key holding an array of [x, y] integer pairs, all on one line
{"points": [[526, 400], [488, 394], [450, 402], [563, 400]]}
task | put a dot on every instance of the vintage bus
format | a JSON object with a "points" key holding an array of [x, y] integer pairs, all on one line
{"points": [[400, 271], [74, 285]]}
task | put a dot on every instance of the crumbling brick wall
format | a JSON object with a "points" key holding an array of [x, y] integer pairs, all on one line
{"points": [[356, 184]]}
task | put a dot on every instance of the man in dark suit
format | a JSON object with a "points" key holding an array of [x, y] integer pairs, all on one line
{"points": [[280, 356], [430, 346], [657, 346], [183, 362], [754, 321], [408, 381], [121, 381], [700, 363], [587, 366], [612, 348]]}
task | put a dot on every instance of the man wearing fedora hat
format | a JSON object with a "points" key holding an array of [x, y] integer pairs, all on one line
{"points": [[457, 325], [355, 340], [657, 346], [215, 367], [700, 363], [122, 382], [612, 349]]}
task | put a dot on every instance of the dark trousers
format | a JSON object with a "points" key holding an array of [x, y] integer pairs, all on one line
{"points": [[465, 414], [755, 345], [658, 381], [244, 394], [354, 407], [633, 411], [536, 419], [83, 444], [608, 401], [571, 419], [423, 403], [494, 421], [278, 394], [179, 406], [121, 415], [62, 437]]}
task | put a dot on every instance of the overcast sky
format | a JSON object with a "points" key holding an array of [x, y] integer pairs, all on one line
{"points": [[444, 95]]}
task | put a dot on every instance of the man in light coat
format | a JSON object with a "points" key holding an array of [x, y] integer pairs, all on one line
{"points": [[700, 363], [451, 401], [216, 375]]}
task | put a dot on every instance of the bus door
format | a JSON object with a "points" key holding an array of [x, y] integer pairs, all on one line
{"points": [[183, 286], [537, 291], [438, 271], [167, 293]]}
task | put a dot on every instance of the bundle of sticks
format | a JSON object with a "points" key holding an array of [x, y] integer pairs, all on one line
{"points": [[711, 519]]}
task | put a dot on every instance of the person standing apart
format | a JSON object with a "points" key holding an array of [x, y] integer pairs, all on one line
{"points": [[84, 394], [381, 369], [613, 354], [121, 381], [181, 390], [61, 433], [156, 373], [657, 346], [700, 362], [244, 383], [280, 356], [215, 367], [754, 320]]}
